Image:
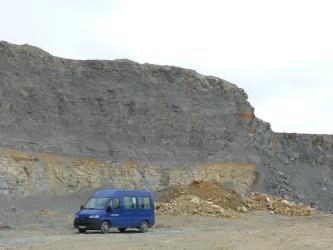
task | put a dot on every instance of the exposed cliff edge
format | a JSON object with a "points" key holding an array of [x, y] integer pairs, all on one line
{"points": [[161, 119]]}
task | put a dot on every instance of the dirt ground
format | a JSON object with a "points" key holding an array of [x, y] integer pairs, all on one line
{"points": [[258, 230]]}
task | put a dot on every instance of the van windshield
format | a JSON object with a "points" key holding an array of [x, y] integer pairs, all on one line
{"points": [[96, 203]]}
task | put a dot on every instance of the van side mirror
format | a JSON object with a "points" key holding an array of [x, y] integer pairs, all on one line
{"points": [[82, 207], [109, 209]]}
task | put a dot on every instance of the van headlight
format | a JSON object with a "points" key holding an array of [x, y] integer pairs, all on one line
{"points": [[93, 216]]}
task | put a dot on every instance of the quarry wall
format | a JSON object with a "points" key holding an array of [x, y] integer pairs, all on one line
{"points": [[85, 124]]}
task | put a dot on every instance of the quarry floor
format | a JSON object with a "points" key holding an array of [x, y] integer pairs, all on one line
{"points": [[258, 230]]}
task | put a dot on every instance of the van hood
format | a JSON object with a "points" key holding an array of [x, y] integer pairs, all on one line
{"points": [[90, 211]]}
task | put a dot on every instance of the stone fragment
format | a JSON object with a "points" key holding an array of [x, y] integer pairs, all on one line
{"points": [[285, 202], [222, 212], [195, 200], [198, 180], [243, 209]]}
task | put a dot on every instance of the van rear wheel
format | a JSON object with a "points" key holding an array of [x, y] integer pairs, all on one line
{"points": [[82, 230], [143, 227], [105, 227], [122, 229]]}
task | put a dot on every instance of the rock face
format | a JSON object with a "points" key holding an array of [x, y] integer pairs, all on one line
{"points": [[160, 118], [23, 175]]}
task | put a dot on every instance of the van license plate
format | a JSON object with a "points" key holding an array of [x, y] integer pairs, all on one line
{"points": [[82, 227]]}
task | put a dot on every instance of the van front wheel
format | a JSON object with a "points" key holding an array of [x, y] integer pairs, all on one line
{"points": [[144, 227], [105, 227]]}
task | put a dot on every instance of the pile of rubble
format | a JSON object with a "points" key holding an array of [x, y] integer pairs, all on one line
{"points": [[278, 205], [211, 199]]}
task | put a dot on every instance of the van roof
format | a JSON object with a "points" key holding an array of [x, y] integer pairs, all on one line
{"points": [[115, 192]]}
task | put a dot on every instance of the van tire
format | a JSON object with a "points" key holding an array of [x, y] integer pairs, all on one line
{"points": [[82, 230], [122, 229], [105, 227], [143, 227]]}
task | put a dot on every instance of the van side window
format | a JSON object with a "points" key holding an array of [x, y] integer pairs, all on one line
{"points": [[115, 203], [144, 202], [129, 202]]}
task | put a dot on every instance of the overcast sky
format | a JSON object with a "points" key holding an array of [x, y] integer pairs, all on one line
{"points": [[280, 52]]}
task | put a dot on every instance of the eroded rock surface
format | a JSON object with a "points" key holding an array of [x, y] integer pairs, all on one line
{"points": [[163, 119], [22, 175]]}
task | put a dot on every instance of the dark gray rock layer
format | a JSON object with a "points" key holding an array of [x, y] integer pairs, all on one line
{"points": [[121, 110]]}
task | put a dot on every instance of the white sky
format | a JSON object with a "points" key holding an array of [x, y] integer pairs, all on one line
{"points": [[280, 52]]}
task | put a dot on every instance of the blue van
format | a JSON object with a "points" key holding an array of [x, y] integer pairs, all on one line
{"points": [[121, 209]]}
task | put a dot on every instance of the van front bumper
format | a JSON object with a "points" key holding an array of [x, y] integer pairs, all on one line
{"points": [[91, 224]]}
